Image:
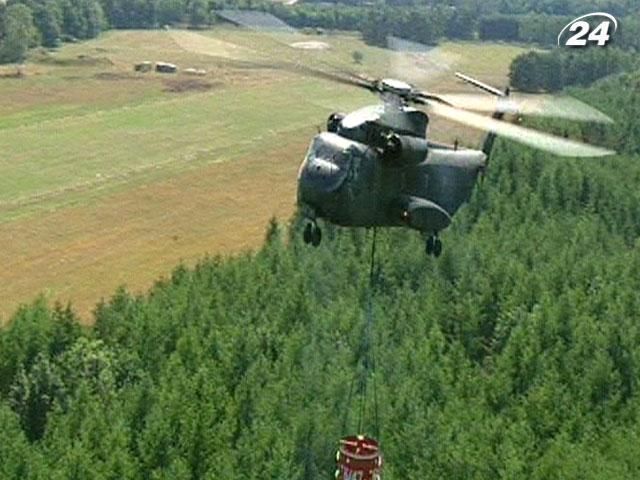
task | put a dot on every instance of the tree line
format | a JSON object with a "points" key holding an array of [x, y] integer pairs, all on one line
{"points": [[422, 24], [574, 8], [429, 24], [543, 29], [514, 355], [552, 71], [27, 23]]}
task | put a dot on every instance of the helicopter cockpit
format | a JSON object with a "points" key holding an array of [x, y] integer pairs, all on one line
{"points": [[327, 163]]}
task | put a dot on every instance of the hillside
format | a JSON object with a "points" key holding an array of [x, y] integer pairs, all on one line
{"points": [[514, 355], [112, 177]]}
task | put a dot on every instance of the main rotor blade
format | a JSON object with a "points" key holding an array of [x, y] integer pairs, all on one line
{"points": [[424, 97], [337, 77], [288, 58], [481, 85], [268, 29], [529, 105], [200, 44], [543, 141]]}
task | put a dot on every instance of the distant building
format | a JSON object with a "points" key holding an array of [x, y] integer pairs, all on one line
{"points": [[163, 67], [254, 20], [142, 66]]}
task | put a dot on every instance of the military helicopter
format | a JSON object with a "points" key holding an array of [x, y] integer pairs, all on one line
{"points": [[376, 167]]}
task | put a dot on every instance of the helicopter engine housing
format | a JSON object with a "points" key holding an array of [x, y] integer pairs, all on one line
{"points": [[402, 150], [423, 214]]}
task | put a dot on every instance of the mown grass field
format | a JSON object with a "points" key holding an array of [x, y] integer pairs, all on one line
{"points": [[111, 177]]}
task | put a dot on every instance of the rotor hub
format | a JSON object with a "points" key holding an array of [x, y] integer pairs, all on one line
{"points": [[397, 87]]}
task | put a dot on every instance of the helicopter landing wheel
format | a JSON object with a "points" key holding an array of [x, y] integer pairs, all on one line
{"points": [[316, 235], [437, 247], [429, 246], [312, 234], [433, 246], [307, 233]]}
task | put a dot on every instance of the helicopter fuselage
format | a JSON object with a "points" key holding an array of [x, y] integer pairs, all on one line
{"points": [[376, 168]]}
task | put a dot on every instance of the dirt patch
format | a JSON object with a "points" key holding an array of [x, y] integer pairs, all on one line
{"points": [[182, 85], [79, 60], [114, 76], [16, 73]]}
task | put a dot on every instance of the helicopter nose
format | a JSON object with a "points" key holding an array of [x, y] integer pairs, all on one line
{"points": [[322, 172], [318, 178]]}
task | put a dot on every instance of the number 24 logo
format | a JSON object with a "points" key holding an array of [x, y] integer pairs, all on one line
{"points": [[599, 35]]}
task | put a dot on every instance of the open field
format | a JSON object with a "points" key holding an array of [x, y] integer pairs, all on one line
{"points": [[111, 177]]}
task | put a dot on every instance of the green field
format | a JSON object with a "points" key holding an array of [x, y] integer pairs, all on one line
{"points": [[111, 177]]}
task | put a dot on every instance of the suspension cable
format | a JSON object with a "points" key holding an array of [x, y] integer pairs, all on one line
{"points": [[369, 351]]}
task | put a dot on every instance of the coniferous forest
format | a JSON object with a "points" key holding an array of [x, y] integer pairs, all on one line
{"points": [[514, 355]]}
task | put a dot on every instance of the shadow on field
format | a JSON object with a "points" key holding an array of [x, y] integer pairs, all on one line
{"points": [[182, 85]]}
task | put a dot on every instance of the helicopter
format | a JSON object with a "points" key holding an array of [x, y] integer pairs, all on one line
{"points": [[376, 166]]}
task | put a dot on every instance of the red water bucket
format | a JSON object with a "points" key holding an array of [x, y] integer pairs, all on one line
{"points": [[358, 458]]}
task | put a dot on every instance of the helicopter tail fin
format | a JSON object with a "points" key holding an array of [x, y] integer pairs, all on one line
{"points": [[487, 145]]}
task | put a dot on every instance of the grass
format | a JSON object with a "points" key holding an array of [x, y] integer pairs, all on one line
{"points": [[110, 177], [173, 133]]}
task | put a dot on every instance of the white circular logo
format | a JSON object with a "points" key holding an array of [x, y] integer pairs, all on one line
{"points": [[584, 34]]}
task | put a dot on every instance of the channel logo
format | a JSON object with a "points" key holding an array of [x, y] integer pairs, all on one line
{"points": [[585, 33]]}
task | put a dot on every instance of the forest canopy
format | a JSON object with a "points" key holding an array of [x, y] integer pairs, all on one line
{"points": [[514, 355], [552, 71], [48, 22]]}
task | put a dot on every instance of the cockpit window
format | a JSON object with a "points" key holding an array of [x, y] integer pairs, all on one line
{"points": [[338, 153], [321, 149]]}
